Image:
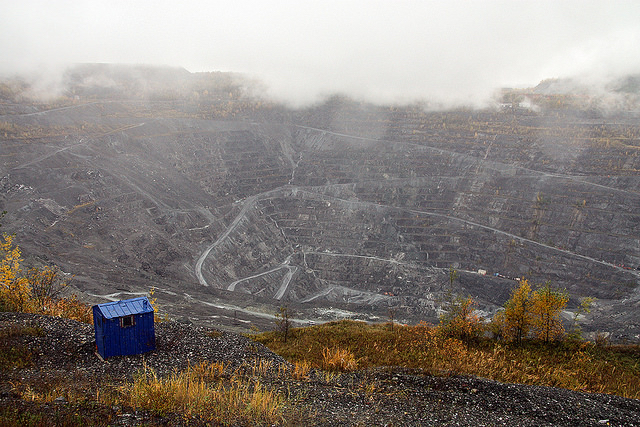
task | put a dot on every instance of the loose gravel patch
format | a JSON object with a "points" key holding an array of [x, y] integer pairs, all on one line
{"points": [[64, 349]]}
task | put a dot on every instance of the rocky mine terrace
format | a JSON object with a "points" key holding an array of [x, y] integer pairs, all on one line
{"points": [[231, 209]]}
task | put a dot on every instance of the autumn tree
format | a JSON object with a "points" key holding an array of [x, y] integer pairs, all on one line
{"points": [[37, 291], [47, 285], [460, 320], [15, 292], [496, 326], [582, 309], [453, 275], [546, 305], [283, 321], [517, 317]]}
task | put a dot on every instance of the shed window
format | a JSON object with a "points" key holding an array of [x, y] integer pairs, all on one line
{"points": [[127, 321]]}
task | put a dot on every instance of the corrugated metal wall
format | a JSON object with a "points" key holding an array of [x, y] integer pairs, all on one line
{"points": [[114, 340]]}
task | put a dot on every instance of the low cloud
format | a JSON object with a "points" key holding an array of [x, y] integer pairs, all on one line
{"points": [[382, 51]]}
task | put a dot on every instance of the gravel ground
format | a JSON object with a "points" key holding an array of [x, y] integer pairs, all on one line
{"points": [[390, 396]]}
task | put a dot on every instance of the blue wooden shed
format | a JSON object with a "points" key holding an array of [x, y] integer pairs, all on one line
{"points": [[124, 327]]}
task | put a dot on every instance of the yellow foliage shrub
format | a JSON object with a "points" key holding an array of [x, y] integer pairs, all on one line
{"points": [[338, 359], [15, 292], [301, 369], [37, 291]]}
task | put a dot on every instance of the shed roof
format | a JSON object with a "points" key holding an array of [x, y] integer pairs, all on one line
{"points": [[125, 307]]}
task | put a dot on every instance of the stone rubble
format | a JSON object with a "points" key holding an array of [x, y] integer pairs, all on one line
{"points": [[383, 396]]}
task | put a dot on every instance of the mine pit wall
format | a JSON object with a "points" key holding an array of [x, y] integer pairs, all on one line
{"points": [[328, 244], [432, 208], [565, 212], [362, 221]]}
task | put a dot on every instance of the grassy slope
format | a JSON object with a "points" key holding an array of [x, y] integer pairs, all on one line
{"points": [[580, 366]]}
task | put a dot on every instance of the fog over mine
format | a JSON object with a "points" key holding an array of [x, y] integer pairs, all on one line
{"points": [[382, 51]]}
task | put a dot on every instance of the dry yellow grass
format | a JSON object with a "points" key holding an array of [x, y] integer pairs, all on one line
{"points": [[202, 391], [338, 359], [212, 391], [580, 366], [301, 370]]}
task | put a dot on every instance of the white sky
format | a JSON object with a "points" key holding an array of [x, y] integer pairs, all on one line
{"points": [[380, 50]]}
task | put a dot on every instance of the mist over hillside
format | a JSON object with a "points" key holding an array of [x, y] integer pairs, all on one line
{"points": [[453, 53], [231, 205]]}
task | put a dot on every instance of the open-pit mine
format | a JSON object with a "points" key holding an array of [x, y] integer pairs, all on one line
{"points": [[230, 206]]}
